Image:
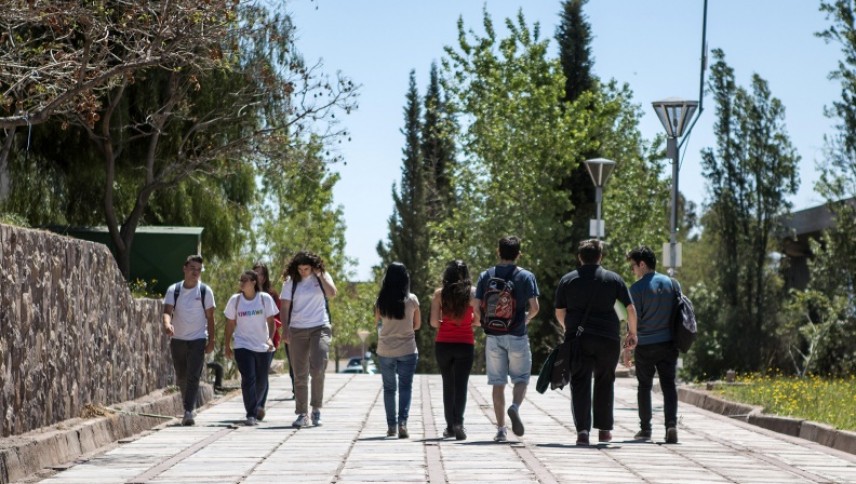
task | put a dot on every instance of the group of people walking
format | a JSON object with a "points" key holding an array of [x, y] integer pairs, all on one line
{"points": [[503, 301], [254, 316]]}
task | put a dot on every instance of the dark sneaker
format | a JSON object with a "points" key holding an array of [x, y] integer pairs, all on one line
{"points": [[642, 435], [448, 433], [402, 431], [516, 423], [583, 438], [390, 431], [604, 436], [316, 418], [501, 435], [260, 414], [460, 432], [301, 421], [671, 435], [188, 419]]}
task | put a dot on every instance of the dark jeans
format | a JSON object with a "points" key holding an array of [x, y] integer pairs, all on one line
{"points": [[254, 367], [263, 399], [662, 357], [455, 361], [188, 358], [404, 367], [599, 357]]}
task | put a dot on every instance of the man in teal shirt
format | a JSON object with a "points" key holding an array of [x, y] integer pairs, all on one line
{"points": [[654, 297]]}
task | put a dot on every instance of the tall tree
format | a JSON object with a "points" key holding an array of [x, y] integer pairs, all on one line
{"points": [[516, 137], [438, 149], [823, 315], [750, 174], [574, 38], [408, 226]]}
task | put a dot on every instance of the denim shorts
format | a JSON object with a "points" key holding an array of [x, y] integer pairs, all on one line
{"points": [[507, 356]]}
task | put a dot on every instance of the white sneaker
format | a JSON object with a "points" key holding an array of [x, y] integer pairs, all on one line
{"points": [[251, 422], [302, 421], [501, 435]]}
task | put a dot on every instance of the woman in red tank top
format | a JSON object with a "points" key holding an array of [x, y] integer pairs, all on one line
{"points": [[452, 316]]}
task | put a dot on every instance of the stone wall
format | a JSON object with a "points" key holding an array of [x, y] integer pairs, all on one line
{"points": [[71, 334]]}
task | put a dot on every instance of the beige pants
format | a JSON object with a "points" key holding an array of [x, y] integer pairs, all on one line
{"points": [[308, 348]]}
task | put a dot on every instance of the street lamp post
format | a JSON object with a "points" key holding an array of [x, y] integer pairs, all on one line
{"points": [[599, 169], [363, 334], [675, 115]]}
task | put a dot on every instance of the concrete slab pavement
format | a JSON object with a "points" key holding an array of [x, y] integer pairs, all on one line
{"points": [[351, 446]]}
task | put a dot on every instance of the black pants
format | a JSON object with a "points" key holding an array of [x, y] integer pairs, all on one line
{"points": [[188, 358], [662, 357], [254, 367], [599, 357], [455, 361]]}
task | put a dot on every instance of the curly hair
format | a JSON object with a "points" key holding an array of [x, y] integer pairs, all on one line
{"points": [[393, 291], [457, 289], [302, 258]]}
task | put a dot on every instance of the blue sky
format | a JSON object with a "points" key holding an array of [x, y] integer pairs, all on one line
{"points": [[653, 45]]}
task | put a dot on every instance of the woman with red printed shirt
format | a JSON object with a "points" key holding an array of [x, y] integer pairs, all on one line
{"points": [[452, 316]]}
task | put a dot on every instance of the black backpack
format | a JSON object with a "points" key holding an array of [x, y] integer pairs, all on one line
{"points": [[499, 304], [684, 327]]}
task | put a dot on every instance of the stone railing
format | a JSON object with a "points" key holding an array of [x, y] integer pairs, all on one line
{"points": [[71, 334]]}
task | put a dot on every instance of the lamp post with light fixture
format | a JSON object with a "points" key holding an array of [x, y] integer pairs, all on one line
{"points": [[675, 115], [599, 169]]}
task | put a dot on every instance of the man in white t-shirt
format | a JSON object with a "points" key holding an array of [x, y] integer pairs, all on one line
{"points": [[188, 318]]}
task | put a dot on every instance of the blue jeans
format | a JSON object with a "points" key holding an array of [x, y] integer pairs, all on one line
{"points": [[254, 367], [507, 356], [404, 367]]}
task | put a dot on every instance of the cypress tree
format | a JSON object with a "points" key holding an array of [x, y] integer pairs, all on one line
{"points": [[408, 233], [574, 37], [438, 150]]}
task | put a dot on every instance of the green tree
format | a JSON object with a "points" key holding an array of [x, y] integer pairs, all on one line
{"points": [[408, 226], [750, 173], [823, 316], [438, 149], [199, 121], [517, 139]]}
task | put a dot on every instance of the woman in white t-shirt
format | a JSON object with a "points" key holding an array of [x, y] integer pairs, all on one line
{"points": [[249, 317], [307, 331], [398, 310]]}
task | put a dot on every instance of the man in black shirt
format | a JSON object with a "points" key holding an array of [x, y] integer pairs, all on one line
{"points": [[593, 290]]}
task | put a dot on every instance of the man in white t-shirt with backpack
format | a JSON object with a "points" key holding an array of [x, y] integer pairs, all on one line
{"points": [[188, 319], [506, 301]]}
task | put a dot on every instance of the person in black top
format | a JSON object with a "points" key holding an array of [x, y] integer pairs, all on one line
{"points": [[600, 338]]}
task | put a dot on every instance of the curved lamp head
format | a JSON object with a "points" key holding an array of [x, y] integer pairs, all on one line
{"points": [[599, 169], [675, 114]]}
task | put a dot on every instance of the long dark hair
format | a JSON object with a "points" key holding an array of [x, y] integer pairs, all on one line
{"points": [[457, 289], [302, 258], [251, 275], [263, 268], [393, 291]]}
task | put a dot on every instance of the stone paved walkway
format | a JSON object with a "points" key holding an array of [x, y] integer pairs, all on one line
{"points": [[350, 447]]}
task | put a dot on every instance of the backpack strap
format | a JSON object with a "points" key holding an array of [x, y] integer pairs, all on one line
{"points": [[326, 301], [176, 290]]}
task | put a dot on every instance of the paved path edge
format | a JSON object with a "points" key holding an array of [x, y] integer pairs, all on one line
{"points": [[23, 455], [823, 434]]}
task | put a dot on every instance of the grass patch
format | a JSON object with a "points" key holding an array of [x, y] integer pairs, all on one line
{"points": [[829, 401]]}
